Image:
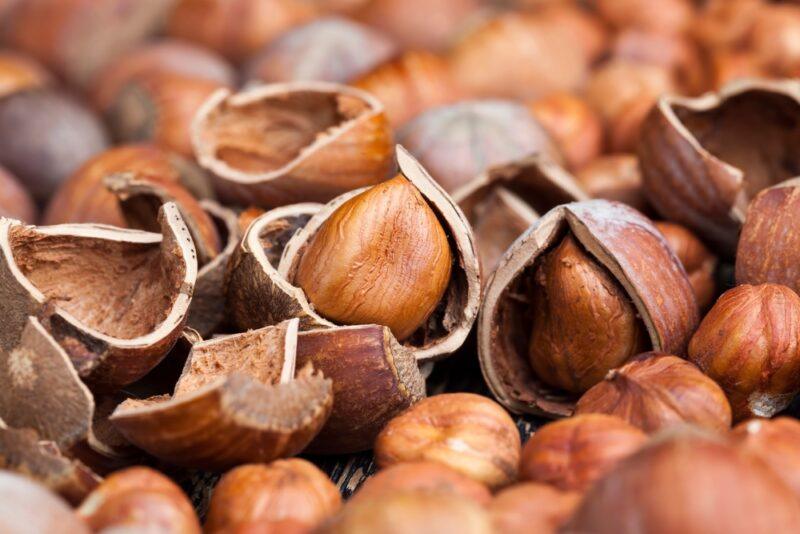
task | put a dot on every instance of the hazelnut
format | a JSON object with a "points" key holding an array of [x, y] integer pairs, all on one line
{"points": [[19, 72], [587, 30], [425, 476], [731, 65], [700, 264], [775, 442], [574, 126], [614, 177], [459, 142], [655, 391], [26, 506], [532, 507], [414, 256], [350, 49], [46, 135], [724, 24], [470, 433], [15, 201], [291, 489], [573, 453], [775, 38], [583, 324], [749, 343], [236, 28], [687, 482], [139, 498], [669, 16]]}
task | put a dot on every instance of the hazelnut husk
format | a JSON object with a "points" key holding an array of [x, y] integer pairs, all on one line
{"points": [[19, 72], [26, 506], [638, 284], [770, 238], [139, 499], [573, 453], [292, 489], [46, 135], [655, 391], [775, 442], [350, 49], [237, 400], [429, 476], [700, 264], [686, 481], [15, 201], [236, 28], [324, 139], [614, 177], [532, 507], [115, 300], [467, 432], [77, 38], [262, 277], [748, 343], [459, 142], [704, 158], [573, 124], [410, 84]]}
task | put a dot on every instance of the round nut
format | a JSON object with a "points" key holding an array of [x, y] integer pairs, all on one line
{"points": [[532, 507], [775, 442]]}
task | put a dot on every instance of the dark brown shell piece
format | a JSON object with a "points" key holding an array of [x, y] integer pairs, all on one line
{"points": [[704, 158], [237, 401], [620, 239], [115, 300], [273, 145], [374, 379]]}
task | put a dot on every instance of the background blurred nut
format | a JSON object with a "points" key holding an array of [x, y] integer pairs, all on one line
{"points": [[775, 38], [749, 342], [614, 177], [532, 507], [470, 433], [687, 482], [670, 16], [699, 262], [655, 391], [26, 506], [291, 489], [18, 72], [422, 476], [46, 135], [775, 442], [139, 498], [573, 453], [15, 201]]}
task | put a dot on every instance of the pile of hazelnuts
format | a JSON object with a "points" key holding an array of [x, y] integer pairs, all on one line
{"points": [[537, 260]]}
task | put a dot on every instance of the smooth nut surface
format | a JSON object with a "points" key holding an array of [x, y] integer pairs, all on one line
{"points": [[470, 433], [531, 507], [776, 442], [696, 259]]}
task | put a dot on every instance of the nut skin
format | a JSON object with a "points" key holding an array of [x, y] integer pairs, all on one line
{"points": [[749, 342], [15, 201], [387, 259], [775, 442], [139, 498], [292, 489], [614, 177], [422, 476], [236, 28], [26, 506], [655, 391], [573, 124], [19, 72], [583, 324], [699, 262], [573, 453], [532, 507], [470, 433], [709, 487]]}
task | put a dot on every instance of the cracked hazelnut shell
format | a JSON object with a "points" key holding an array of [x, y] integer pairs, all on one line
{"points": [[26, 506], [467, 432], [532, 507], [620, 240], [325, 139], [573, 453], [699, 262], [239, 389], [292, 489], [749, 343], [776, 442]]}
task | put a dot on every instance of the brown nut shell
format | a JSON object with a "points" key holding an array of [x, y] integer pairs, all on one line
{"points": [[749, 343], [704, 158], [620, 239], [775, 442], [532, 507], [374, 379], [237, 401], [573, 453], [80, 280], [655, 391], [292, 489], [770, 238], [26, 506], [467, 432], [325, 139]]}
